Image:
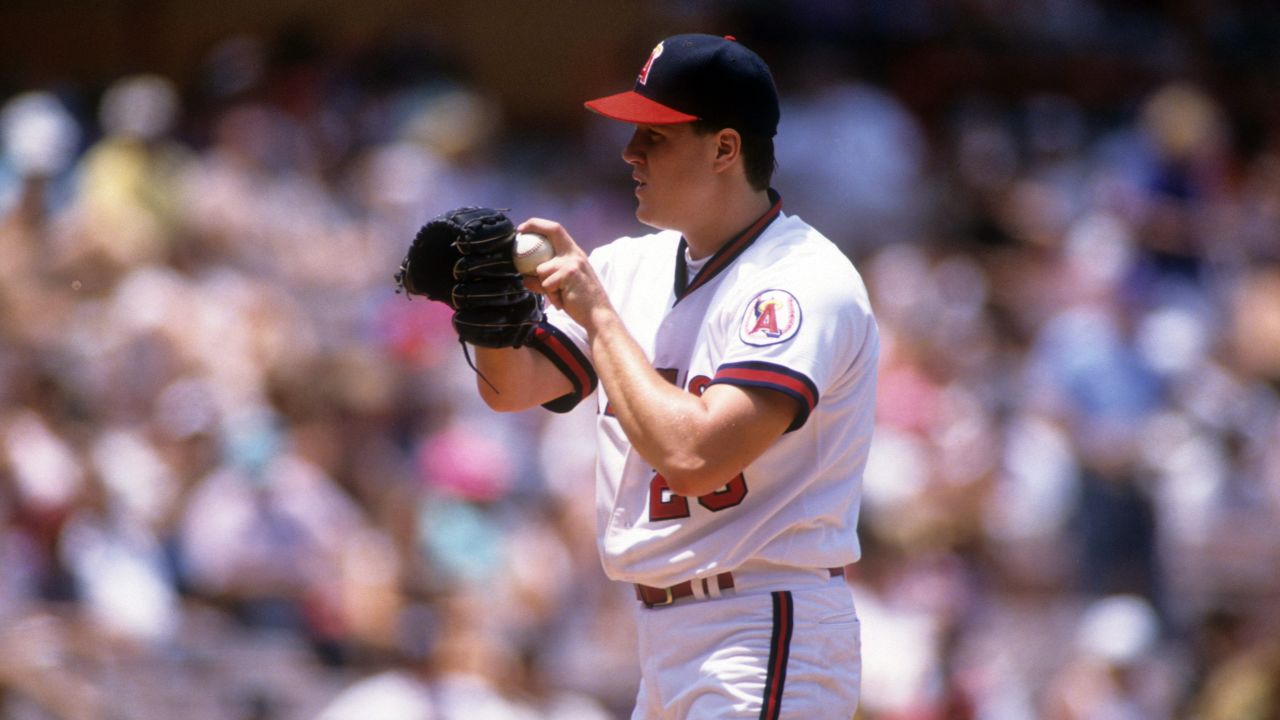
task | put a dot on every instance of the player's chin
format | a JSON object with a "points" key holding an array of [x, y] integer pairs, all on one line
{"points": [[642, 213], [647, 214]]}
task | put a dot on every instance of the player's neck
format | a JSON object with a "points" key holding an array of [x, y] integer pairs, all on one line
{"points": [[738, 210]]}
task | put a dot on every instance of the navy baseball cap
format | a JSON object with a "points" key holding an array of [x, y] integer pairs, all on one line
{"points": [[699, 77]]}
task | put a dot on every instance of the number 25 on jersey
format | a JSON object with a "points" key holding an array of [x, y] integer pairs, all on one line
{"points": [[666, 505]]}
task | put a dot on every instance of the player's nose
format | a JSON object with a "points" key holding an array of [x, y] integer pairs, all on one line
{"points": [[631, 153]]}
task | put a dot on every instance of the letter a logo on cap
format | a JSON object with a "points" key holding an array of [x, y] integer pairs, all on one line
{"points": [[644, 71]]}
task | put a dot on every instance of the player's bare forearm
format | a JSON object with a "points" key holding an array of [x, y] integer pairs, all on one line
{"points": [[658, 418], [698, 443], [521, 378]]}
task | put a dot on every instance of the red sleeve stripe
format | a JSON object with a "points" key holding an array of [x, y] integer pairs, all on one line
{"points": [[773, 377], [560, 350]]}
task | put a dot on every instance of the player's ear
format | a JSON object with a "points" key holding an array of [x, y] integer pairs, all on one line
{"points": [[728, 148]]}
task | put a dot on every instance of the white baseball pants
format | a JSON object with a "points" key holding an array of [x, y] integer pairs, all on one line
{"points": [[756, 652]]}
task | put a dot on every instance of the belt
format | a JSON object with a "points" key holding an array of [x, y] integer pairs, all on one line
{"points": [[657, 597]]}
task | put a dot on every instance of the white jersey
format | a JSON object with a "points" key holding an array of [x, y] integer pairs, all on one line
{"points": [[780, 308]]}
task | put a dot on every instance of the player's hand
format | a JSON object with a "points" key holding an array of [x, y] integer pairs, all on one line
{"points": [[568, 279]]}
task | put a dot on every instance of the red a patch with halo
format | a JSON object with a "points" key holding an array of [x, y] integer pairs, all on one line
{"points": [[770, 317]]}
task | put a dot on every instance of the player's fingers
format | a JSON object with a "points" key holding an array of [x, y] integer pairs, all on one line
{"points": [[553, 231], [553, 279]]}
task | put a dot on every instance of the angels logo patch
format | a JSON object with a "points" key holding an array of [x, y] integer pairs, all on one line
{"points": [[770, 317]]}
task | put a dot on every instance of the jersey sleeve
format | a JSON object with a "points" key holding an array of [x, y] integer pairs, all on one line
{"points": [[564, 342], [796, 338], [566, 353]]}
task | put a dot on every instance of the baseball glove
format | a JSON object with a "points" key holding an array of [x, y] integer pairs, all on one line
{"points": [[463, 258]]}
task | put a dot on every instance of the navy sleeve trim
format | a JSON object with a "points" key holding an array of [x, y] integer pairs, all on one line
{"points": [[560, 350], [767, 375]]}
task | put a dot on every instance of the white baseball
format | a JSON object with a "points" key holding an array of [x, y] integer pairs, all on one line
{"points": [[531, 250]]}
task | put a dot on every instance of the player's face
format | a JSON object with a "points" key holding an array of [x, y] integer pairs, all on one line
{"points": [[672, 167]]}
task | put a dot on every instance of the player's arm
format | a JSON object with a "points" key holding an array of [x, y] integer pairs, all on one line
{"points": [[697, 442], [521, 378]]}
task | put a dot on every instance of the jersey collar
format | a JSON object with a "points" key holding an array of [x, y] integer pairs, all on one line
{"points": [[727, 252]]}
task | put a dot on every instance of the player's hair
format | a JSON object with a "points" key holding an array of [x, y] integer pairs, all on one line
{"points": [[757, 153]]}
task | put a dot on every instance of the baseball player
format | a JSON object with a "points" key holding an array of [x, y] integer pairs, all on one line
{"points": [[735, 353]]}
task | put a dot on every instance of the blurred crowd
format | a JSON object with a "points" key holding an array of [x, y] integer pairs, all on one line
{"points": [[241, 478]]}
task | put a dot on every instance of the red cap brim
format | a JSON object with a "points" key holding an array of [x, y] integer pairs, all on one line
{"points": [[632, 107]]}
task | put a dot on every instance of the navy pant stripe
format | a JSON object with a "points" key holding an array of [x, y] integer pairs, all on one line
{"points": [[779, 651]]}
